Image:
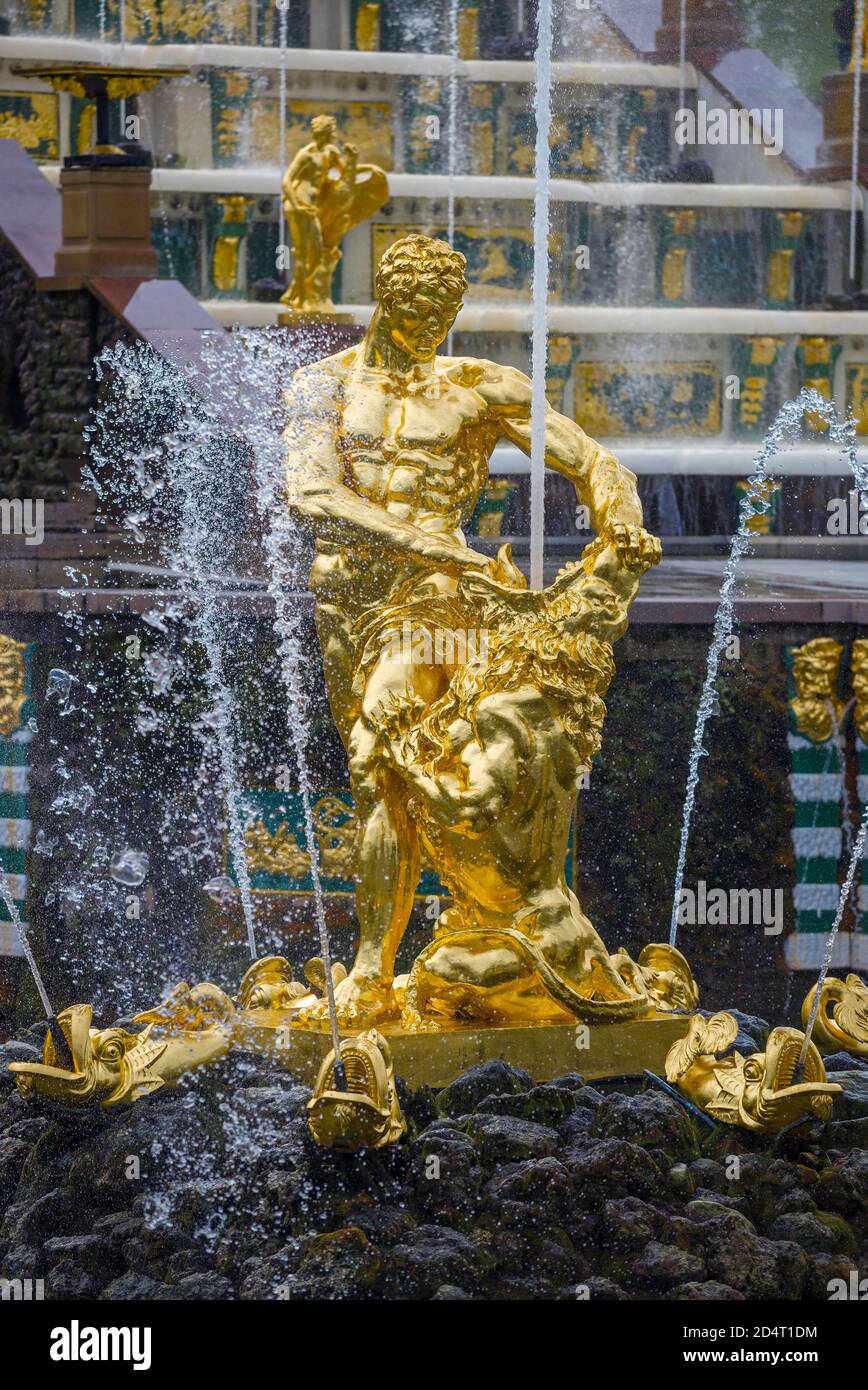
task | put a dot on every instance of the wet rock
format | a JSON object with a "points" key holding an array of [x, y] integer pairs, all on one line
{"points": [[493, 1078], [69, 1281], [541, 1189], [24, 1262], [383, 1224], [132, 1288], [844, 1061], [710, 1291], [628, 1223], [712, 1209], [269, 1277], [504, 1139], [93, 1253], [544, 1105], [203, 1287], [651, 1120], [13, 1155], [450, 1293], [446, 1173], [853, 1104], [433, 1256], [614, 1168], [815, 1231], [756, 1266], [606, 1290], [662, 1267], [843, 1187], [15, 1051], [338, 1264], [826, 1274]]}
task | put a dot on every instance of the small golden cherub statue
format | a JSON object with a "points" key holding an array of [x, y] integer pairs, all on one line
{"points": [[325, 193]]}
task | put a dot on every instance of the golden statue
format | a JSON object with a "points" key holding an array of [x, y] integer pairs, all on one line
{"points": [[816, 706], [759, 1092], [859, 681], [469, 751], [842, 1018], [325, 193], [387, 454], [13, 683]]}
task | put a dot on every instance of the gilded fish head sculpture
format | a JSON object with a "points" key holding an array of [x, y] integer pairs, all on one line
{"points": [[663, 972], [758, 1092], [859, 680], [842, 1018], [366, 1115], [109, 1065], [268, 984], [816, 706]]}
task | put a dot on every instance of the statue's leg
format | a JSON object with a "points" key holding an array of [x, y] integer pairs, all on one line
{"points": [[563, 972], [387, 848]]}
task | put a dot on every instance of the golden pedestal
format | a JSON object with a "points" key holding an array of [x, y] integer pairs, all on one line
{"points": [[547, 1051], [295, 318]]}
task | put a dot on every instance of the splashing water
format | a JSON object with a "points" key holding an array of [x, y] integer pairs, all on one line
{"points": [[846, 889], [15, 918], [260, 371], [855, 139], [543, 113], [787, 424], [282, 545], [198, 458], [453, 120]]}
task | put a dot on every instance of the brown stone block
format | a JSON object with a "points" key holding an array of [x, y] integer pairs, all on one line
{"points": [[713, 28], [835, 154], [106, 223]]}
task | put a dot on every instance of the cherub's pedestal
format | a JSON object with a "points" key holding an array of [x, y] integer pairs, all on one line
{"points": [[545, 1050]]}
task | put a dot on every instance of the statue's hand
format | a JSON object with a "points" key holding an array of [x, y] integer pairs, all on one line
{"points": [[637, 549]]}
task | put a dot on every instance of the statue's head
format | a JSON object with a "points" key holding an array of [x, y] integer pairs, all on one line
{"points": [[419, 286], [323, 129]]}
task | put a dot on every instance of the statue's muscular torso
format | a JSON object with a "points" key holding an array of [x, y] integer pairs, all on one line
{"points": [[418, 447]]}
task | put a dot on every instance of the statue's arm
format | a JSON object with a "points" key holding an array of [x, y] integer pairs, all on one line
{"points": [[318, 497], [602, 483]]}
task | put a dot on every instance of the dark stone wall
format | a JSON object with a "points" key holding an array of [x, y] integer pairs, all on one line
{"points": [[46, 346]]}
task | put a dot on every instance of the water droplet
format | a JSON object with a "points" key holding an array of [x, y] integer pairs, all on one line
{"points": [[59, 685], [44, 843], [130, 867], [221, 889]]}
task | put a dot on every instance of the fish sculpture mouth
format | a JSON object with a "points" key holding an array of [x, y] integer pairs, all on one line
{"points": [[366, 1115], [779, 1099], [48, 1078]]}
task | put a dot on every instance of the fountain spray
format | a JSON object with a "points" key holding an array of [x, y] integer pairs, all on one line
{"points": [[787, 423], [58, 1037], [543, 111], [846, 889], [854, 152], [452, 135]]}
